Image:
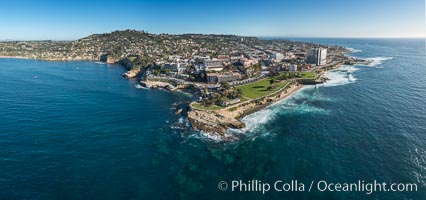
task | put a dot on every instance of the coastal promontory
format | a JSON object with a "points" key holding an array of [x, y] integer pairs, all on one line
{"points": [[228, 76]]}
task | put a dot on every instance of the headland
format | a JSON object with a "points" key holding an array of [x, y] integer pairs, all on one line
{"points": [[229, 76]]}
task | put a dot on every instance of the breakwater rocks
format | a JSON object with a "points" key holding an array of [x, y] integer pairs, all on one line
{"points": [[213, 122]]}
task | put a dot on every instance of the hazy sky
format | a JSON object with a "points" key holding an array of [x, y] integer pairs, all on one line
{"points": [[65, 20]]}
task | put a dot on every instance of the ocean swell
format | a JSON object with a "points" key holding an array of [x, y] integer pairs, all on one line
{"points": [[377, 61], [352, 50], [297, 104], [341, 76]]}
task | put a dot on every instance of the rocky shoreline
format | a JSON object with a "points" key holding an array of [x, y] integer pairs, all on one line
{"points": [[158, 84], [220, 121], [213, 122]]}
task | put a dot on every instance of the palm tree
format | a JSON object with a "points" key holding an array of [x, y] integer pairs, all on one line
{"points": [[239, 92], [225, 85], [271, 82]]}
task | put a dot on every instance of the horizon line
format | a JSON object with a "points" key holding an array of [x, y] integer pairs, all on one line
{"points": [[257, 36]]}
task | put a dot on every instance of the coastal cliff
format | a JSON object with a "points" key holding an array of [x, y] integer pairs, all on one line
{"points": [[201, 62], [219, 121], [158, 84], [133, 73], [213, 122]]}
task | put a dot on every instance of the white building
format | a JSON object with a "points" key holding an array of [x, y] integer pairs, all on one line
{"points": [[317, 56], [292, 67], [177, 67], [289, 55], [180, 67], [213, 65], [276, 57]]}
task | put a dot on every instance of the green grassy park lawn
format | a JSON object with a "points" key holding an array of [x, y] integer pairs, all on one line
{"points": [[211, 107], [308, 75], [260, 88]]}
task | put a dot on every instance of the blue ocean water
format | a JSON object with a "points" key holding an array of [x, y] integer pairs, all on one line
{"points": [[78, 130]]}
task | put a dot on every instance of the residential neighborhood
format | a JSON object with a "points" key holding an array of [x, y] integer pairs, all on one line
{"points": [[215, 64]]}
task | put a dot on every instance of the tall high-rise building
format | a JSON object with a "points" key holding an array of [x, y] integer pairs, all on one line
{"points": [[317, 56]]}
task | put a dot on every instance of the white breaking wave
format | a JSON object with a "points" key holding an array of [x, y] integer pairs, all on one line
{"points": [[353, 50], [255, 120], [215, 137], [341, 76], [299, 102], [288, 105], [140, 86], [377, 61]]}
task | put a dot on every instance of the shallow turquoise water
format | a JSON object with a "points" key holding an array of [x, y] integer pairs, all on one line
{"points": [[78, 130]]}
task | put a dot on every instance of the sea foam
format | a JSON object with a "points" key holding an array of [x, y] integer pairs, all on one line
{"points": [[298, 103], [138, 86], [353, 50], [341, 76], [293, 105], [377, 61], [213, 137]]}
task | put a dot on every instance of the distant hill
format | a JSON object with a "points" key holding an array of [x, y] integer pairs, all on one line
{"points": [[148, 47]]}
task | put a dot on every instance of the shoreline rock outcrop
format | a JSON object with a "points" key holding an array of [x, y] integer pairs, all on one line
{"points": [[213, 122], [218, 121], [158, 84], [131, 73]]}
